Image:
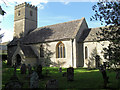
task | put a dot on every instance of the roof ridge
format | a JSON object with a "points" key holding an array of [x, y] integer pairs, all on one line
{"points": [[58, 24]]}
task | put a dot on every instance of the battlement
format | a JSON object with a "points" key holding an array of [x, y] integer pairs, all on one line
{"points": [[27, 5]]}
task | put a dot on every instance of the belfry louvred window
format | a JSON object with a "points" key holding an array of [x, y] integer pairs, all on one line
{"points": [[60, 50]]}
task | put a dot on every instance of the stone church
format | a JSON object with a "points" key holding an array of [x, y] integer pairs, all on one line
{"points": [[68, 44]]}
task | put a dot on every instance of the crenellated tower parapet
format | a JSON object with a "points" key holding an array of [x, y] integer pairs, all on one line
{"points": [[27, 5], [25, 19]]}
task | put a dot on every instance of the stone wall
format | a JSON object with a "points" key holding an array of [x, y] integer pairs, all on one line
{"points": [[91, 49], [51, 46]]}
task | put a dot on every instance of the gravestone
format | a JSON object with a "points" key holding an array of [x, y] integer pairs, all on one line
{"points": [[13, 83], [70, 74], [53, 84], [64, 74], [39, 71], [104, 74], [60, 69], [15, 66], [34, 80], [29, 69], [23, 69]]}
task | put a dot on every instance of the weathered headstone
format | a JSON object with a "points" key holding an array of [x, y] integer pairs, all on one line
{"points": [[34, 80], [53, 84], [29, 69], [70, 74], [13, 83], [104, 74], [39, 71], [23, 69]]}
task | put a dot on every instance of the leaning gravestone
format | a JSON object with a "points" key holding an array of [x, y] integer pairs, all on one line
{"points": [[34, 80], [23, 69], [13, 83], [53, 83], [39, 71], [70, 74]]}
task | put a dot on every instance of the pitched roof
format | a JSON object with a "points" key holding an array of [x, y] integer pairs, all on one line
{"points": [[66, 30], [89, 35], [28, 52]]}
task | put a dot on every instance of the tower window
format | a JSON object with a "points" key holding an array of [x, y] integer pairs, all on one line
{"points": [[31, 13], [60, 50], [19, 13]]}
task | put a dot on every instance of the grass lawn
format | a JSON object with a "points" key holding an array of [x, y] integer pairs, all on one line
{"points": [[83, 78]]}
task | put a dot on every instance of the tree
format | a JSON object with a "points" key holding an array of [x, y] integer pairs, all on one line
{"points": [[2, 12], [108, 13]]}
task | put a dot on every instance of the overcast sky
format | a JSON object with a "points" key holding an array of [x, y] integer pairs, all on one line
{"points": [[49, 12]]}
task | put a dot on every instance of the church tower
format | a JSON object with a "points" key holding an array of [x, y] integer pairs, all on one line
{"points": [[25, 19]]}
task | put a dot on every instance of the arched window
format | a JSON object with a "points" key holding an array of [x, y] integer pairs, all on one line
{"points": [[41, 51], [60, 50], [86, 52], [19, 13]]}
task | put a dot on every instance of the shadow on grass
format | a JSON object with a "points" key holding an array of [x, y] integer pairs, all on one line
{"points": [[83, 78]]}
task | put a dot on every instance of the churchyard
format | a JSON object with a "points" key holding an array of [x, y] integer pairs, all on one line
{"points": [[83, 78]]}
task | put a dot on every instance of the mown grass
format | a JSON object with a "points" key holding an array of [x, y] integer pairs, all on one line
{"points": [[83, 78]]}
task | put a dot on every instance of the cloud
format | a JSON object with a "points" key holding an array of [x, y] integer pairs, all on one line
{"points": [[8, 35], [39, 3]]}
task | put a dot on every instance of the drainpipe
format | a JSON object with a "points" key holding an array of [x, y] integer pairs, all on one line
{"points": [[72, 54]]}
